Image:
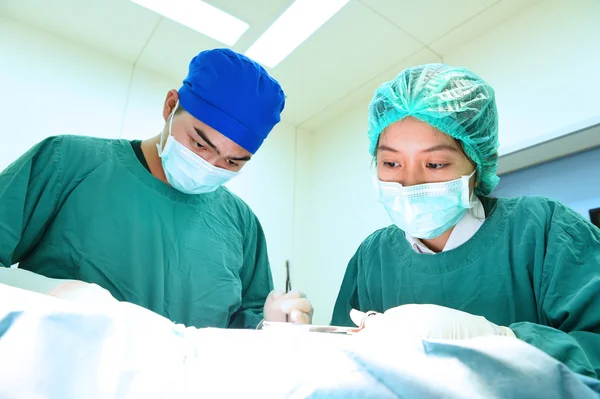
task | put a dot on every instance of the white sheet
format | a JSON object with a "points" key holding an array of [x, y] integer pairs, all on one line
{"points": [[52, 348]]}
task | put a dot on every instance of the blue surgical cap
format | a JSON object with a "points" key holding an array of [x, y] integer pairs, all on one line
{"points": [[234, 95], [453, 100]]}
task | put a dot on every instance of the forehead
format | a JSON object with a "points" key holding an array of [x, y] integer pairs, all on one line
{"points": [[411, 131], [222, 142], [197, 123]]}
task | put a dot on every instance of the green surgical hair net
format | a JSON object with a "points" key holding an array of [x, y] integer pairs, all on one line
{"points": [[452, 100]]}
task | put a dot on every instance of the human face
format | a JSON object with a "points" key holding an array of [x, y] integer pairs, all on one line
{"points": [[411, 152], [203, 140]]}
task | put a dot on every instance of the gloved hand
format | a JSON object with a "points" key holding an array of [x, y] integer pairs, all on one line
{"points": [[294, 304], [429, 322], [79, 291]]}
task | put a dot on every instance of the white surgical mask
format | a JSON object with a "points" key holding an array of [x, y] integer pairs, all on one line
{"points": [[187, 171], [426, 210]]}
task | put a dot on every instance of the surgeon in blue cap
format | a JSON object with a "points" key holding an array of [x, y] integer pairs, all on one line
{"points": [[149, 222]]}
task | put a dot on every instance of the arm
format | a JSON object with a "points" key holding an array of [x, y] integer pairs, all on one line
{"points": [[348, 296], [30, 195], [31, 192], [256, 278], [570, 295], [29, 198]]}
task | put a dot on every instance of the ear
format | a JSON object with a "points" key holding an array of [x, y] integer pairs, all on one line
{"points": [[170, 102]]}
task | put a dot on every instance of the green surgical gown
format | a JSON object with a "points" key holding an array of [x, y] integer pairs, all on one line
{"points": [[533, 266], [85, 208]]}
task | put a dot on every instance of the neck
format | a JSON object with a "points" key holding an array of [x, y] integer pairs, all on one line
{"points": [[437, 244], [151, 154]]}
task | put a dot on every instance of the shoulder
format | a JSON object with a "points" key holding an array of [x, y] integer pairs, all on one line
{"points": [[236, 207], [225, 196], [84, 146], [541, 211], [77, 156], [59, 152], [534, 205], [69, 148], [383, 238]]}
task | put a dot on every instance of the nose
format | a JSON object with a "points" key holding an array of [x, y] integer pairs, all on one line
{"points": [[412, 176], [211, 158]]}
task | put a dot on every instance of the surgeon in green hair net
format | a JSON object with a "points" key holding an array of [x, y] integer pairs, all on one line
{"points": [[457, 263]]}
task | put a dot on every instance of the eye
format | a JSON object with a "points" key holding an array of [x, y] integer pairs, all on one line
{"points": [[436, 166], [232, 163], [391, 165], [198, 145]]}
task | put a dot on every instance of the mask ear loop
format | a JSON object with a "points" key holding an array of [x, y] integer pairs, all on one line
{"points": [[466, 190], [162, 135]]}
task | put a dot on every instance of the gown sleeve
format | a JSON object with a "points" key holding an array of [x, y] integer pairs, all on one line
{"points": [[569, 299], [348, 295], [256, 278], [31, 191]]}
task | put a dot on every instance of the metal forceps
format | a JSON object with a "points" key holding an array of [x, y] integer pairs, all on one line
{"points": [[321, 329], [288, 284]]}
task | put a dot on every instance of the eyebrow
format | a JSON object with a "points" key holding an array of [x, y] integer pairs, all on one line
{"points": [[383, 147], [246, 158], [435, 148], [441, 147], [214, 147], [206, 140]]}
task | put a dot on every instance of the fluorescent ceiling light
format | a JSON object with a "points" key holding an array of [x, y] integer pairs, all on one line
{"points": [[201, 17], [292, 28]]}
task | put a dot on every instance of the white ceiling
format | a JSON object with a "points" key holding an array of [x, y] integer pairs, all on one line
{"points": [[367, 42]]}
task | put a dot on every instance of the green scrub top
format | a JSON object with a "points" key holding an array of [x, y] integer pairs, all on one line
{"points": [[85, 208], [533, 266]]}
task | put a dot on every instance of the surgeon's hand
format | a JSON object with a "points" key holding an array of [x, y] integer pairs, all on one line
{"points": [[428, 322], [294, 304], [79, 291]]}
